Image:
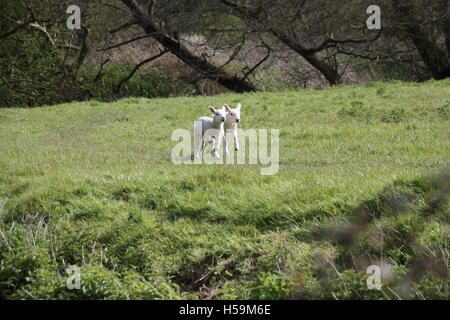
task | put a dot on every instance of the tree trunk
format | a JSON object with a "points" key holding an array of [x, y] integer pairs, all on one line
{"points": [[445, 9], [84, 50], [210, 71], [432, 55], [329, 72]]}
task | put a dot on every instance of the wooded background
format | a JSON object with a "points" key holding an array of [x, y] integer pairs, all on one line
{"points": [[163, 48]]}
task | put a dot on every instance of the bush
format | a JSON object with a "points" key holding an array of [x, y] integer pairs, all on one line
{"points": [[148, 84], [32, 74]]}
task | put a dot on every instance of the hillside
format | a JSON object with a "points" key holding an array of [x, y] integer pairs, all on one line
{"points": [[361, 180]]}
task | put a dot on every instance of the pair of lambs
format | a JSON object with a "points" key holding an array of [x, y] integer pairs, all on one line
{"points": [[212, 129]]}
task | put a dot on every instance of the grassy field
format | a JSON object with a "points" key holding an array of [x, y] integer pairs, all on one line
{"points": [[362, 181]]}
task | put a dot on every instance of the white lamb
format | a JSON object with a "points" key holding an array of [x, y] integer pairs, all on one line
{"points": [[210, 129], [233, 117]]}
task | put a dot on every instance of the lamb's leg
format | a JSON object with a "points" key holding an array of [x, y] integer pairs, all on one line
{"points": [[207, 143], [215, 146], [212, 145], [198, 138], [235, 136], [198, 146], [225, 147]]}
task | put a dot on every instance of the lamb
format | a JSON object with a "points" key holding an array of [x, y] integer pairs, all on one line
{"points": [[233, 117], [210, 129]]}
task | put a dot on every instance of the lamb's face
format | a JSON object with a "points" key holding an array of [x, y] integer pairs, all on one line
{"points": [[218, 114], [233, 115]]}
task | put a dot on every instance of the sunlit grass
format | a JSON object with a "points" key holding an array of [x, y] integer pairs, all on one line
{"points": [[92, 184]]}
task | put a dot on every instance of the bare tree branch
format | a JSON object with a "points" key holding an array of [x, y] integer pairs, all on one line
{"points": [[137, 67], [13, 31], [44, 31], [211, 71], [125, 42], [122, 27], [258, 64]]}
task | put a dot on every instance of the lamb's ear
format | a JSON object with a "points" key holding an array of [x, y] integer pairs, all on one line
{"points": [[212, 109], [227, 107], [238, 106]]}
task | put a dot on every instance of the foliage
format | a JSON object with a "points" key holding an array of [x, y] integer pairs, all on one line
{"points": [[30, 72], [147, 84]]}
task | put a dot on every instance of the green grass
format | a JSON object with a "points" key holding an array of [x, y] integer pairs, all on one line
{"points": [[92, 184]]}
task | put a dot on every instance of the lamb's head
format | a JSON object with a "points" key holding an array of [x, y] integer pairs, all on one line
{"points": [[219, 115], [233, 115]]}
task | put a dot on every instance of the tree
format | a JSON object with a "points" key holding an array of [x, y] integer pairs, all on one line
{"points": [[291, 22], [146, 20], [34, 54], [422, 32]]}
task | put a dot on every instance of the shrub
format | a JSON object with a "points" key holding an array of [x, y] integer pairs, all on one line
{"points": [[148, 84]]}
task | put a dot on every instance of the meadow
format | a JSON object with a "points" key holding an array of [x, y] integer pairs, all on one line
{"points": [[363, 180]]}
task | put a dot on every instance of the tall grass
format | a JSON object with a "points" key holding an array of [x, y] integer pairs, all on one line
{"points": [[360, 182]]}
